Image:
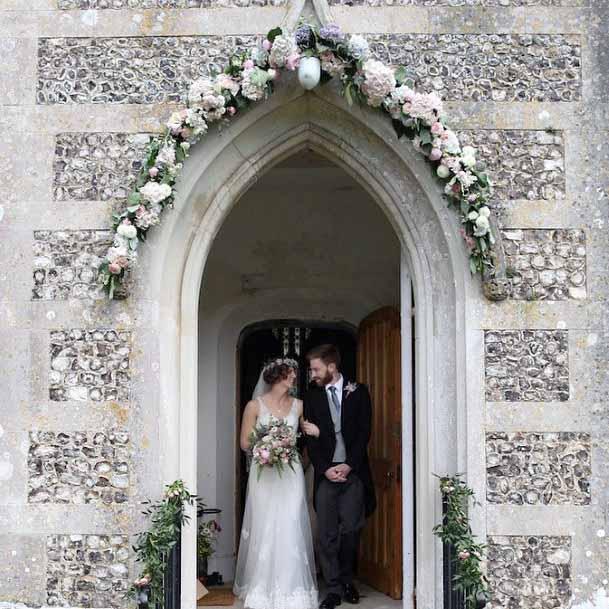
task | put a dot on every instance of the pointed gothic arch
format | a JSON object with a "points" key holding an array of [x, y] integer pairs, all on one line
{"points": [[214, 178]]}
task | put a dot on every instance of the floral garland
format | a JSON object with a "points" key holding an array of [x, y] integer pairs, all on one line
{"points": [[250, 77], [154, 545], [455, 530]]}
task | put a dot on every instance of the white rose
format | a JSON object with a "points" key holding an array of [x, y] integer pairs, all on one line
{"points": [[468, 156], [443, 171], [154, 192], [482, 226], [127, 230]]}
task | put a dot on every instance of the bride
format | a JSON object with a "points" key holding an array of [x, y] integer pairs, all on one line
{"points": [[275, 565]]}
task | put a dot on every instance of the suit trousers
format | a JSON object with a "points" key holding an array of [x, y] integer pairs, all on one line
{"points": [[340, 518]]}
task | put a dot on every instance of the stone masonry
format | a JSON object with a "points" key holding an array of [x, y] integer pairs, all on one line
{"points": [[89, 365], [524, 164], [164, 4], [527, 365], [78, 467], [532, 572], [97, 166], [454, 3], [87, 570], [66, 263], [538, 468], [489, 67], [135, 70], [546, 264]]}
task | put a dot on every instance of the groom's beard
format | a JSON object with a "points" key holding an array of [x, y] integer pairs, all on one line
{"points": [[322, 382]]}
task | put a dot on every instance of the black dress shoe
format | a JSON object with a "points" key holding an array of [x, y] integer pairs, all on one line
{"points": [[331, 601], [350, 594]]}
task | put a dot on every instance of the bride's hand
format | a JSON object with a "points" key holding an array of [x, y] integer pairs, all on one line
{"points": [[310, 429]]}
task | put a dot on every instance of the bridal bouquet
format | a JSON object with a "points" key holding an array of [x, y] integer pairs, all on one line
{"points": [[274, 445]]}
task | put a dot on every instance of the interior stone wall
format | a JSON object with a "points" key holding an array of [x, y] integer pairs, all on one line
{"points": [[83, 84]]}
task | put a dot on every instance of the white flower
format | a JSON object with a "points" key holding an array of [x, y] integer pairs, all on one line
{"points": [[253, 85], [331, 64], [358, 47], [155, 192], [174, 124], [283, 47], [259, 56], [466, 178], [468, 156], [481, 218], [147, 217], [204, 95], [396, 100], [225, 81], [195, 120], [443, 171], [379, 81], [166, 155], [424, 106], [449, 142], [127, 230]]}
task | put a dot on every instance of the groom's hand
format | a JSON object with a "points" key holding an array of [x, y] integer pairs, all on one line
{"points": [[333, 474], [343, 469]]}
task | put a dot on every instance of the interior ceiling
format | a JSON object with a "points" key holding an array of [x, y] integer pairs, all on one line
{"points": [[305, 224]]}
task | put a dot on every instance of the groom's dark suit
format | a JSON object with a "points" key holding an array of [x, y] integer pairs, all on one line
{"points": [[341, 506]]}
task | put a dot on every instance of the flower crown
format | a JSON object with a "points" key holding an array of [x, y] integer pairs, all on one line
{"points": [[292, 363]]}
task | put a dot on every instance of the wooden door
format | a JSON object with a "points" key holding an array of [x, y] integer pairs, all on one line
{"points": [[379, 367]]}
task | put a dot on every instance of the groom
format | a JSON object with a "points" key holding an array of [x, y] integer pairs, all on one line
{"points": [[344, 493]]}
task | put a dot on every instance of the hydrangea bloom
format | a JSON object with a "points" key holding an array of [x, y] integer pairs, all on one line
{"points": [[358, 47], [331, 32], [283, 47], [252, 86], [155, 192], [166, 155], [225, 81], [204, 95], [147, 217], [424, 106], [331, 64], [378, 83]]}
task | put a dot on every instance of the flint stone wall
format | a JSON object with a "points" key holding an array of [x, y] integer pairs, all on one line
{"points": [[78, 467], [89, 365], [87, 570], [529, 572], [527, 365], [526, 468]]}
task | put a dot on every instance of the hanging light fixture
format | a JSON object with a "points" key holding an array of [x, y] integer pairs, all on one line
{"points": [[309, 72]]}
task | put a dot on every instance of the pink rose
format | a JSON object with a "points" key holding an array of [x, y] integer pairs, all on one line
{"points": [[232, 110], [292, 61], [435, 154], [114, 268], [153, 172], [437, 128], [248, 64], [464, 555], [266, 45], [186, 133]]}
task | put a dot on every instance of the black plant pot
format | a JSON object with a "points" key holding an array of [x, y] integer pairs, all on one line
{"points": [[202, 567]]}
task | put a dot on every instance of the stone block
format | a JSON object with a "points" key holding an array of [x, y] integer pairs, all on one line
{"points": [[78, 467], [89, 365], [87, 570], [538, 468], [22, 570], [66, 263], [527, 365], [529, 571], [97, 166], [130, 70], [455, 3], [523, 164]]}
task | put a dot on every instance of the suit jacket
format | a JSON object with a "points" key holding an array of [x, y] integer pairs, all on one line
{"points": [[356, 421]]}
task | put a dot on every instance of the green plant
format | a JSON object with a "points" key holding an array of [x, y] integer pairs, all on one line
{"points": [[456, 531], [154, 545], [206, 538]]}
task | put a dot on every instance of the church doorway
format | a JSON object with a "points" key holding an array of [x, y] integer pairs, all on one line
{"points": [[307, 256]]}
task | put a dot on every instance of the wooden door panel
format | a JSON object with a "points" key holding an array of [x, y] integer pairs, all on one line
{"points": [[379, 367]]}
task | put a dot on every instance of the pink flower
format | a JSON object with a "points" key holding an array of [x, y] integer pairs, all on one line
{"points": [[435, 154], [114, 268], [153, 172], [266, 45], [232, 110], [248, 64], [464, 555], [265, 455], [437, 128], [186, 133], [292, 61]]}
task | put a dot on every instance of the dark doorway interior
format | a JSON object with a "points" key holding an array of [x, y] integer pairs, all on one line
{"points": [[263, 341]]}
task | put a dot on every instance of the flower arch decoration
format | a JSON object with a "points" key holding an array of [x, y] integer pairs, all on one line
{"points": [[320, 54]]}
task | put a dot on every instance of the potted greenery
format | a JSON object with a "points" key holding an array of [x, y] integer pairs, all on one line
{"points": [[206, 539]]}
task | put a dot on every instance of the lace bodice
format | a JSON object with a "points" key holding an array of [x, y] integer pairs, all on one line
{"points": [[264, 414]]}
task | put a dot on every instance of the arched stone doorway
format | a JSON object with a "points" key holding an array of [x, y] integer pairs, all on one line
{"points": [[215, 178]]}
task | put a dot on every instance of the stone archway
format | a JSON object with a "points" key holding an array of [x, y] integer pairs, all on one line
{"points": [[214, 179]]}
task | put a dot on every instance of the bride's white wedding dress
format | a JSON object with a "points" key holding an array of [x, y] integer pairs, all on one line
{"points": [[275, 566]]}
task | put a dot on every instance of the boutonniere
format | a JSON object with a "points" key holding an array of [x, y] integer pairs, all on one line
{"points": [[350, 388]]}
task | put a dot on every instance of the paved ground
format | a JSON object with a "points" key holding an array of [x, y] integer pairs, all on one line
{"points": [[371, 599]]}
